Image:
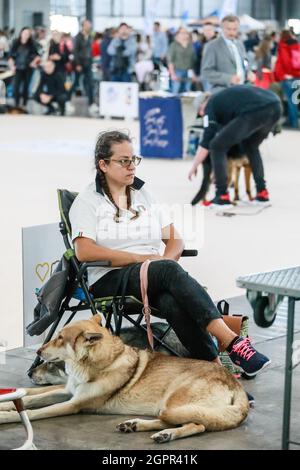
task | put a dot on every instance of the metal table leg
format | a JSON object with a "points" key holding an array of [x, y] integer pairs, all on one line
{"points": [[288, 375]]}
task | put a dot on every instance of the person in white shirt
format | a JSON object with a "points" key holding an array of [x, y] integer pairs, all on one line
{"points": [[116, 219]]}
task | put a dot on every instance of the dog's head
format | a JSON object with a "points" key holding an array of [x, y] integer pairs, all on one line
{"points": [[82, 340], [49, 373]]}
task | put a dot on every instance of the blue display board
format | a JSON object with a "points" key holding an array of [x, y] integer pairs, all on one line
{"points": [[161, 127]]}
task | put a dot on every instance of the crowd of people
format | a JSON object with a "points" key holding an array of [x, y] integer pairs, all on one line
{"points": [[208, 59]]}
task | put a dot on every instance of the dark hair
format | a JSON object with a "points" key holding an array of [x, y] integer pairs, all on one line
{"points": [[103, 151], [286, 35], [264, 47], [30, 39]]}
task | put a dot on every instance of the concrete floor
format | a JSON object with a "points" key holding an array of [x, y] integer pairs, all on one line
{"points": [[262, 429]]}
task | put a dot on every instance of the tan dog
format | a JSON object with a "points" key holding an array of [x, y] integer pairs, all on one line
{"points": [[185, 396], [235, 165]]}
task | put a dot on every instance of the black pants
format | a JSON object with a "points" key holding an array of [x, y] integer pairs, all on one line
{"points": [[180, 299], [59, 99], [22, 78], [87, 75], [249, 130]]}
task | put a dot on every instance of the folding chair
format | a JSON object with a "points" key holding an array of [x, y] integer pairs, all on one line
{"points": [[114, 308]]}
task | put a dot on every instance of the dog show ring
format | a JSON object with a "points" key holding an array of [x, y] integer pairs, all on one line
{"points": [[16, 395]]}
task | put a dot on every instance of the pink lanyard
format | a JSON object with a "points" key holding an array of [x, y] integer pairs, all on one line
{"points": [[146, 309]]}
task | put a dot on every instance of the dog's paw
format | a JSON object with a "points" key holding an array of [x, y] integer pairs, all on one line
{"points": [[127, 426], [162, 436]]}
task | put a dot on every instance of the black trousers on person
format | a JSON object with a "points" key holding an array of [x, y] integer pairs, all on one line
{"points": [[59, 99], [87, 75], [249, 130], [180, 299], [22, 78]]}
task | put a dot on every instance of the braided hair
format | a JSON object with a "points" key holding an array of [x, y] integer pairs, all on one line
{"points": [[103, 151]]}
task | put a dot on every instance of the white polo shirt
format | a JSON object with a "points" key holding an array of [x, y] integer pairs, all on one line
{"points": [[92, 216]]}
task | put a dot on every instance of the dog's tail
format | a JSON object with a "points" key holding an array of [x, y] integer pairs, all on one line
{"points": [[207, 168]]}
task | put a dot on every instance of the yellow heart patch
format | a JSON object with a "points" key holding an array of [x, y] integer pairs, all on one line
{"points": [[42, 271]]}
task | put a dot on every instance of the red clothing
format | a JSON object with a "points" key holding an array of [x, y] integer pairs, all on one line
{"points": [[96, 49], [285, 64]]}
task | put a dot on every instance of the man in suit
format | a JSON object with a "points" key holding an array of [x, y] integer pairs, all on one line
{"points": [[224, 59]]}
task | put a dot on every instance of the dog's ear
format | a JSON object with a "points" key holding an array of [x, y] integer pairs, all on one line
{"points": [[97, 319], [93, 337]]}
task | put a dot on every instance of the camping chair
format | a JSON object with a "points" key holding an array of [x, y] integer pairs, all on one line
{"points": [[114, 308]]}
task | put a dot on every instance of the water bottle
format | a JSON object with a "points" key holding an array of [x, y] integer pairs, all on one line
{"points": [[164, 79], [193, 143]]}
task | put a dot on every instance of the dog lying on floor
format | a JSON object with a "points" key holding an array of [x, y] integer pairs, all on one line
{"points": [[184, 396], [236, 162], [54, 373]]}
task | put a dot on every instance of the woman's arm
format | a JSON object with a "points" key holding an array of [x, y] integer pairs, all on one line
{"points": [[173, 241], [87, 250]]}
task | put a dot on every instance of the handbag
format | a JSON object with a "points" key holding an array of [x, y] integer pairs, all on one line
{"points": [[237, 323]]}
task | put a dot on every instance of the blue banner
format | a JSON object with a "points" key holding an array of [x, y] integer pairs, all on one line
{"points": [[161, 127]]}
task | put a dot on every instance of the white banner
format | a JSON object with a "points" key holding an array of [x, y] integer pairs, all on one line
{"points": [[42, 248], [118, 99]]}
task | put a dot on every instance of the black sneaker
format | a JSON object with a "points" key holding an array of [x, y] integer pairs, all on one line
{"points": [[222, 201], [247, 358]]}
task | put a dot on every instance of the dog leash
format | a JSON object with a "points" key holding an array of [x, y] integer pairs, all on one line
{"points": [[146, 309]]}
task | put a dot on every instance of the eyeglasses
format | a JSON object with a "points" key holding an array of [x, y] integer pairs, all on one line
{"points": [[126, 162]]}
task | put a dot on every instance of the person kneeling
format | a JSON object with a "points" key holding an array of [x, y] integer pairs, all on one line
{"points": [[51, 89]]}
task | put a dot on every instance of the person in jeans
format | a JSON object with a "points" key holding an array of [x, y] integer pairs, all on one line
{"points": [[122, 50], [243, 115], [182, 58], [116, 219], [287, 71], [83, 60]]}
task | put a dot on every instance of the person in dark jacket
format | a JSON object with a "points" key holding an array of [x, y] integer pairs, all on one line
{"points": [[59, 53], [83, 59], [23, 58], [243, 115], [51, 89]]}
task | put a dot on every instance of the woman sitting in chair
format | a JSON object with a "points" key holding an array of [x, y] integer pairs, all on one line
{"points": [[115, 219]]}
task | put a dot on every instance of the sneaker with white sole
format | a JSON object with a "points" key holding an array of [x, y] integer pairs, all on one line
{"points": [[247, 358], [220, 202]]}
